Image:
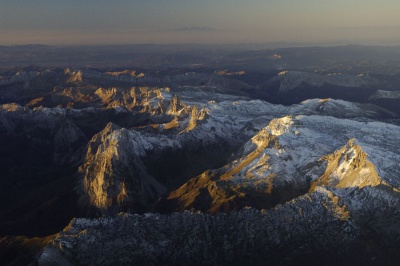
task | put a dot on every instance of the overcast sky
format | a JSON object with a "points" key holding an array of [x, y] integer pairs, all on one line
{"points": [[201, 21]]}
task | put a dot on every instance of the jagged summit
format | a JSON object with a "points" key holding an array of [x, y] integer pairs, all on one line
{"points": [[176, 107], [73, 76], [348, 167]]}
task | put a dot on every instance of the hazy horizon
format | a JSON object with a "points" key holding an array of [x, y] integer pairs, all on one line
{"points": [[93, 22]]}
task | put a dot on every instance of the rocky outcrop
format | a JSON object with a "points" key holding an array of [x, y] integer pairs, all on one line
{"points": [[73, 76], [114, 176]]}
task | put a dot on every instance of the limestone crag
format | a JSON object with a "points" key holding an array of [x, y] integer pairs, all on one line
{"points": [[114, 174]]}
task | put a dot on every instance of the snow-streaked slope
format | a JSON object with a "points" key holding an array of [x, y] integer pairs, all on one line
{"points": [[291, 152], [339, 108], [381, 94], [292, 79]]}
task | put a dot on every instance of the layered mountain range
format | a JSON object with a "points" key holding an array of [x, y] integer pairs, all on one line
{"points": [[201, 170]]}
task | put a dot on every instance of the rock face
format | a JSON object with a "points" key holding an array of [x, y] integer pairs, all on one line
{"points": [[114, 174], [73, 76], [348, 167]]}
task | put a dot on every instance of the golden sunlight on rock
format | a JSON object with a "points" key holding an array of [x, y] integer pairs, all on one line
{"points": [[348, 167]]}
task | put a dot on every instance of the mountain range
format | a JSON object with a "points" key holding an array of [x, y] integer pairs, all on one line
{"points": [[208, 166]]}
